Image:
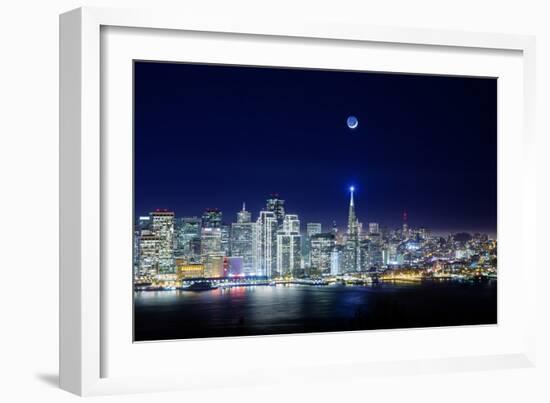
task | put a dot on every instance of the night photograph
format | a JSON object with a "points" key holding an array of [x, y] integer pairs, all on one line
{"points": [[273, 200]]}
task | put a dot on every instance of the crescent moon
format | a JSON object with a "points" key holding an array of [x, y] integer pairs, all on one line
{"points": [[352, 122]]}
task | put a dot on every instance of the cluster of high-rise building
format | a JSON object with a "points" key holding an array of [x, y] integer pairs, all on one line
{"points": [[273, 245]]}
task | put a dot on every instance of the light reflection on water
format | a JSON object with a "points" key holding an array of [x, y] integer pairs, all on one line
{"points": [[257, 310]]}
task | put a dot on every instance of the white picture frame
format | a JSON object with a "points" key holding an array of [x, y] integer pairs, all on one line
{"points": [[86, 304]]}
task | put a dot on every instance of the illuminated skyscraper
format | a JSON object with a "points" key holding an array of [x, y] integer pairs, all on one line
{"points": [[148, 255], [364, 250], [225, 238], [352, 252], [322, 246], [371, 253], [243, 240], [277, 206], [212, 255], [289, 240], [312, 228], [266, 243], [352, 219], [162, 226], [335, 261], [211, 242], [188, 233], [141, 227], [212, 218]]}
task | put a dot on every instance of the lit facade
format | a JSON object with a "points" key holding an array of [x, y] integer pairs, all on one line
{"points": [[186, 270], [352, 250], [243, 240], [335, 261], [312, 228], [225, 233], [148, 254], [322, 246], [188, 233], [211, 242], [162, 226], [234, 266], [214, 266], [277, 206], [289, 250], [266, 243]]}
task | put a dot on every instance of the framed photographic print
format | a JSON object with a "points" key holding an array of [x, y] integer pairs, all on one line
{"points": [[289, 197]]}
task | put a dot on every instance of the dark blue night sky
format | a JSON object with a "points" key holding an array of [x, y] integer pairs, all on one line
{"points": [[215, 136]]}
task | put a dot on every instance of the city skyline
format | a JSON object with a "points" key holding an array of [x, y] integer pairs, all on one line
{"points": [[275, 245], [215, 136], [279, 200], [327, 224]]}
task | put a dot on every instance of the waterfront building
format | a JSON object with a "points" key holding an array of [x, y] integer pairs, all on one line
{"points": [[167, 279], [242, 241], [148, 254], [335, 260], [142, 226], [214, 265], [322, 246], [162, 226], [212, 218], [136, 250], [185, 270], [289, 251], [234, 266], [266, 243]]}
